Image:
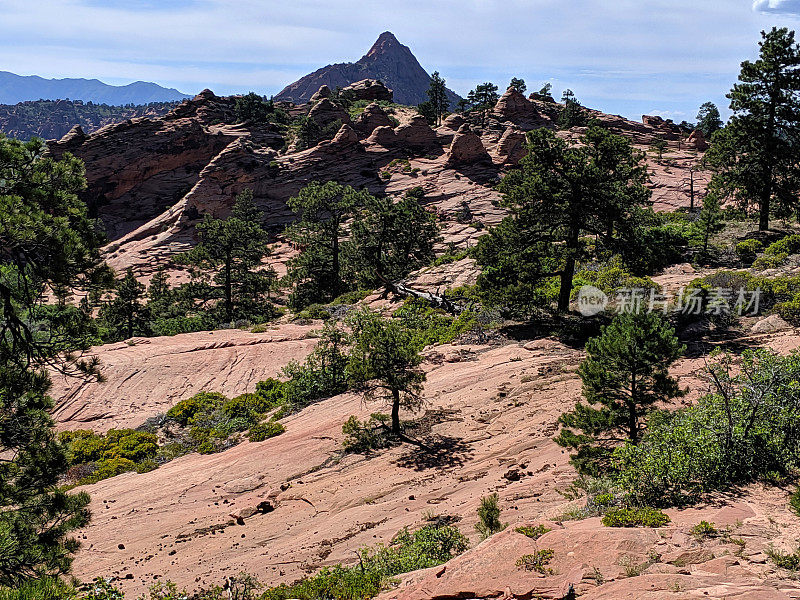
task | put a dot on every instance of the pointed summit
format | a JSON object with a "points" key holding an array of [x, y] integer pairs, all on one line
{"points": [[387, 60]]}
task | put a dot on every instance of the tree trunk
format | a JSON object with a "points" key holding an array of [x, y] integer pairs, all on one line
{"points": [[228, 290], [565, 287], [633, 427], [396, 412]]}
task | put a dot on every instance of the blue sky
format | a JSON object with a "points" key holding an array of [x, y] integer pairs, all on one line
{"points": [[629, 57]]}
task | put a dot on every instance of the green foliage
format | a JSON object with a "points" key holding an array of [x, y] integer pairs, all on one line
{"points": [[626, 372], [264, 431], [610, 277], [365, 436], [483, 98], [532, 532], [489, 516], [785, 560], [233, 249], [323, 374], [185, 410], [126, 315], [659, 147], [431, 326], [708, 119], [437, 96], [746, 430], [545, 235], [103, 456], [704, 530], [572, 114], [255, 109], [518, 85], [754, 156], [537, 561], [748, 249], [408, 551], [389, 238], [644, 516], [47, 588], [710, 220], [794, 501], [47, 244], [384, 362], [322, 210]]}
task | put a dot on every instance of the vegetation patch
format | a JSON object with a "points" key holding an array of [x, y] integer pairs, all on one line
{"points": [[537, 561], [644, 516]]}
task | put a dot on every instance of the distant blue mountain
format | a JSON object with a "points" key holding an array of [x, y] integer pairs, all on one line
{"points": [[18, 88]]}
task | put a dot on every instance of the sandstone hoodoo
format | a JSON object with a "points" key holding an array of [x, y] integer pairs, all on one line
{"points": [[388, 62]]}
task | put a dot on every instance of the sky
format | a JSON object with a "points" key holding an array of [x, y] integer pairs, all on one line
{"points": [[628, 57]]}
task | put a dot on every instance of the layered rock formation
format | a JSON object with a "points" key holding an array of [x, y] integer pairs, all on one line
{"points": [[387, 61]]}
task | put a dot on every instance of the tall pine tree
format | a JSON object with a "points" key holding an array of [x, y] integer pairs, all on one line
{"points": [[46, 242], [756, 156]]}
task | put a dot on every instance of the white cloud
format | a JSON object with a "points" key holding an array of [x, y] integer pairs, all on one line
{"points": [[777, 6]]}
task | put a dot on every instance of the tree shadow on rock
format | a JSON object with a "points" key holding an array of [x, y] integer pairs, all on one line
{"points": [[436, 452]]}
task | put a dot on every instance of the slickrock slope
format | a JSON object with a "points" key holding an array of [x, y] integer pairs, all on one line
{"points": [[146, 376], [388, 61], [492, 411]]}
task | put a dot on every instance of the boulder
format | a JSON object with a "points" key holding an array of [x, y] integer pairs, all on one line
{"points": [[697, 140], [372, 118], [467, 148], [771, 324], [454, 121], [326, 112], [74, 137], [383, 136], [346, 136], [512, 106], [417, 134], [511, 146], [367, 89], [323, 92]]}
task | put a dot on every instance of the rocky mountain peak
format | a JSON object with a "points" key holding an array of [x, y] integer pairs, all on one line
{"points": [[387, 61]]}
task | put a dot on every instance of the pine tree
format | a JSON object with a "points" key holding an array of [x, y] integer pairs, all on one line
{"points": [[710, 220], [384, 361], [626, 372], [233, 247], [47, 242], [559, 194], [437, 96], [518, 85], [322, 209], [708, 119], [127, 313], [483, 98], [572, 114], [756, 156], [389, 238]]}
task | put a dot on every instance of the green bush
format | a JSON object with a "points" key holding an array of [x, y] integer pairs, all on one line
{"points": [[263, 431], [100, 589], [109, 468], [532, 532], [48, 588], [246, 406], [770, 261], [433, 326], [785, 246], [744, 432], [408, 551], [635, 517], [785, 560], [489, 515], [537, 561], [704, 529], [794, 501], [364, 437], [185, 410], [747, 250], [609, 278]]}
